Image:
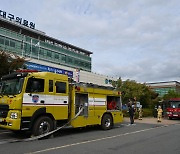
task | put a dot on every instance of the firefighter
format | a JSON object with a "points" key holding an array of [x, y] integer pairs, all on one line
{"points": [[159, 114], [140, 112]]}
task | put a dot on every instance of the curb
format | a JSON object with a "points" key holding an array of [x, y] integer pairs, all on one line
{"points": [[152, 120]]}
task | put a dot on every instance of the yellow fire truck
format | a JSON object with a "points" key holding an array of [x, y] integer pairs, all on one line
{"points": [[40, 102]]}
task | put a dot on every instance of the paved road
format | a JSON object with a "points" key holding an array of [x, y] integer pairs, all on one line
{"points": [[142, 137]]}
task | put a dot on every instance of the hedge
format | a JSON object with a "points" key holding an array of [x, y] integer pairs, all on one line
{"points": [[146, 113]]}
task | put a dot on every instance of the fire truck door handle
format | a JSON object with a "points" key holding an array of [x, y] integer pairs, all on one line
{"points": [[42, 101], [65, 101]]}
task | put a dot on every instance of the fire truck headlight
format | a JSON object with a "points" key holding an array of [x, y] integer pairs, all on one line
{"points": [[14, 115]]}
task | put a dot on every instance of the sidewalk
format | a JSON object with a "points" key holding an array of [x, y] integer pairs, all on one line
{"points": [[152, 120]]}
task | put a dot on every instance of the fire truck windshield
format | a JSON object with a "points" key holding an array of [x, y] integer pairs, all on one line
{"points": [[175, 104], [11, 86]]}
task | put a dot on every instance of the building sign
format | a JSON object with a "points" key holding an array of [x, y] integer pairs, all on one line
{"points": [[108, 81], [77, 75], [19, 20], [43, 68]]}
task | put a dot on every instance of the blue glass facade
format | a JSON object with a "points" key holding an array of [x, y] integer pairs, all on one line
{"points": [[36, 45]]}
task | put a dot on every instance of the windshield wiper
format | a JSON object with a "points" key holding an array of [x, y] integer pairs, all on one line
{"points": [[8, 95], [11, 96]]}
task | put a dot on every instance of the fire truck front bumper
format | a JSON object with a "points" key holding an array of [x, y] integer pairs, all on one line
{"points": [[173, 114], [8, 123], [12, 121]]}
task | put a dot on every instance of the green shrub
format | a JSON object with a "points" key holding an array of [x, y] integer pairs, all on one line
{"points": [[146, 113]]}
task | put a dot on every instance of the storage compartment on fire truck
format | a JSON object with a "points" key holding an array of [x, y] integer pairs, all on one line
{"points": [[81, 100], [113, 103]]}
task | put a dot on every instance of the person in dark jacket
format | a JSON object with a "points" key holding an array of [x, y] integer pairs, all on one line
{"points": [[131, 112]]}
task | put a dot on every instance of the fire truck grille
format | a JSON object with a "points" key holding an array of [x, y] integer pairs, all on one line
{"points": [[4, 110], [176, 113]]}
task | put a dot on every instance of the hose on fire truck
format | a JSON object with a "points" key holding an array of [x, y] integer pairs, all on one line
{"points": [[49, 133]]}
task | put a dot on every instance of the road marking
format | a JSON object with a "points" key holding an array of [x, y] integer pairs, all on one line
{"points": [[5, 133], [7, 141], [95, 140], [127, 125]]}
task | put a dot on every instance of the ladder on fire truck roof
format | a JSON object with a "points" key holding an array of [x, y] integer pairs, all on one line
{"points": [[92, 85]]}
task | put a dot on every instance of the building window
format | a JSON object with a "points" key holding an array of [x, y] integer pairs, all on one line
{"points": [[76, 62], [12, 44], [63, 58], [41, 53], [27, 48], [7, 42], [56, 56], [82, 64], [34, 51], [49, 54], [70, 60], [1, 41]]}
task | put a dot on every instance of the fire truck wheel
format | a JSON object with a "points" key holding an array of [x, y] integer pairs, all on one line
{"points": [[42, 125], [106, 122]]}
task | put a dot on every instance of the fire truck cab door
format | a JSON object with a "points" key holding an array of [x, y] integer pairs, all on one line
{"points": [[61, 99]]}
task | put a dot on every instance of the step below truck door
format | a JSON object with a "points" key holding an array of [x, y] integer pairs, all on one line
{"points": [[81, 100]]}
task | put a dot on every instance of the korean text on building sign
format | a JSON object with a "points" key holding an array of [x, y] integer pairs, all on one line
{"points": [[19, 20]]}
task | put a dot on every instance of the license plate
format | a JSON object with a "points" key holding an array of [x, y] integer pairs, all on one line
{"points": [[175, 115]]}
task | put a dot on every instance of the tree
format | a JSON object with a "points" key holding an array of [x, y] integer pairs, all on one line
{"points": [[171, 94], [9, 63], [117, 84], [131, 89]]}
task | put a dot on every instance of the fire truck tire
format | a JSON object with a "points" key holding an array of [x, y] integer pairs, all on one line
{"points": [[42, 125], [106, 122]]}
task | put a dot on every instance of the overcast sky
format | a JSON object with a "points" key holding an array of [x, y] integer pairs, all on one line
{"points": [[133, 39]]}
